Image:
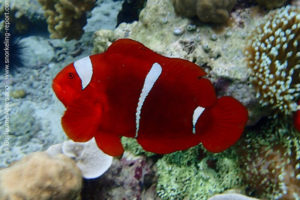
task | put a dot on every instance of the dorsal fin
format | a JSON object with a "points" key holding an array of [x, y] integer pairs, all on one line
{"points": [[131, 48]]}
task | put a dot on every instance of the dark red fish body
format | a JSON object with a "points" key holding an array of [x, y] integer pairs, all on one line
{"points": [[165, 103]]}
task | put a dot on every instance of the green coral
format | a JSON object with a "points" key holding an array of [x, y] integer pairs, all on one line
{"points": [[131, 145], [192, 174]]}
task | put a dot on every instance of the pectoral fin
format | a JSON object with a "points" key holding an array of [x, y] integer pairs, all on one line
{"points": [[81, 120], [109, 143]]}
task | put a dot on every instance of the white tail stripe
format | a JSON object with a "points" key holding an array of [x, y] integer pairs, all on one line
{"points": [[84, 69], [150, 80], [197, 113]]}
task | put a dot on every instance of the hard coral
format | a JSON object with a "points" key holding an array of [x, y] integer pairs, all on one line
{"points": [[270, 4], [88, 157], [214, 11], [66, 18], [271, 161], [273, 56], [41, 177]]}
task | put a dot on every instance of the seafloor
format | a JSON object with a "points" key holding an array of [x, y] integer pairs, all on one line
{"points": [[235, 48]]}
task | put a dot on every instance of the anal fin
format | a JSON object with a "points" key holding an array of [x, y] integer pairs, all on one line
{"points": [[168, 145]]}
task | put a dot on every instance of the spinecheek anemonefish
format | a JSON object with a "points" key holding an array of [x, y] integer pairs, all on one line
{"points": [[129, 90]]}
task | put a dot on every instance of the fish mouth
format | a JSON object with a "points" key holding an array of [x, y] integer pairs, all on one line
{"points": [[59, 92], [56, 88]]}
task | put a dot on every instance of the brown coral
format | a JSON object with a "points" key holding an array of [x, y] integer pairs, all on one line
{"points": [[273, 56], [66, 18], [214, 11], [41, 177], [270, 4]]}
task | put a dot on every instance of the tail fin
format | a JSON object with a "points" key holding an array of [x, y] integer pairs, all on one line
{"points": [[223, 124]]}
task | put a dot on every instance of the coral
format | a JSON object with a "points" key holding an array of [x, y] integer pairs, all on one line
{"points": [[297, 117], [102, 40], [230, 196], [215, 11], [270, 158], [130, 11], [131, 177], [192, 174], [41, 177], [132, 146], [66, 18], [224, 58], [23, 15], [88, 157], [273, 56], [270, 4]]}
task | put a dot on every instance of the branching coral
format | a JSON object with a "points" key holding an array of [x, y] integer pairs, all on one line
{"points": [[214, 11], [273, 56], [271, 161], [66, 18]]}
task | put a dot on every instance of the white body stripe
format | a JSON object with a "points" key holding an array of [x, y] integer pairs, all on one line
{"points": [[84, 69], [197, 113], [150, 80]]}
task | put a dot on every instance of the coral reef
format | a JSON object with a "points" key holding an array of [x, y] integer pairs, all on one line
{"points": [[41, 177], [273, 56], [231, 196], [270, 159], [23, 15], [88, 157], [102, 40], [131, 177], [193, 174], [131, 145], [270, 4], [297, 117], [130, 11], [214, 11], [66, 18]]}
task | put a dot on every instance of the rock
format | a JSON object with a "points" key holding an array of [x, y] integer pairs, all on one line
{"points": [[18, 94], [39, 176]]}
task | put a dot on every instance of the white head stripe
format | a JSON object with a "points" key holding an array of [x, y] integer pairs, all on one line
{"points": [[197, 113], [150, 80], [84, 69]]}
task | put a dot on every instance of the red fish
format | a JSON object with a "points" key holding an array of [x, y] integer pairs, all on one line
{"points": [[297, 117], [129, 90]]}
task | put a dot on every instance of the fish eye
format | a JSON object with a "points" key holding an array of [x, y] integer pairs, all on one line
{"points": [[71, 75]]}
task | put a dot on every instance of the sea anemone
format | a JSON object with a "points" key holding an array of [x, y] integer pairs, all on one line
{"points": [[271, 161], [273, 56]]}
